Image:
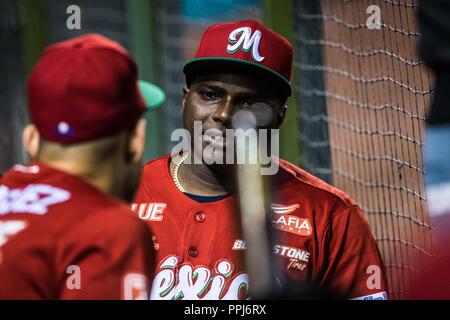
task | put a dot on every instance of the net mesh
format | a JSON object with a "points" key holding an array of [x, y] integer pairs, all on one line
{"points": [[363, 95], [12, 114]]}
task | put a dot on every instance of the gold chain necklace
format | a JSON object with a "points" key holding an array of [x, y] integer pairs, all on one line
{"points": [[175, 172]]}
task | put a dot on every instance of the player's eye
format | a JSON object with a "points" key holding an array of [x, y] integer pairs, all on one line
{"points": [[247, 103], [209, 95]]}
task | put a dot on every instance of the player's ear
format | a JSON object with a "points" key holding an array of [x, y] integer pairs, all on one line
{"points": [[281, 115], [31, 140], [136, 142], [185, 93]]}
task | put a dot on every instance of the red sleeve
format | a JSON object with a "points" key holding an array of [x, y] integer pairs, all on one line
{"points": [[351, 262], [108, 259]]}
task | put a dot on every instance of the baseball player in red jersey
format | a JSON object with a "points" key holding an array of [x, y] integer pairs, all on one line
{"points": [[323, 238], [64, 233]]}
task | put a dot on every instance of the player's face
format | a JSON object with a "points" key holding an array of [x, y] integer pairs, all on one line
{"points": [[214, 99]]}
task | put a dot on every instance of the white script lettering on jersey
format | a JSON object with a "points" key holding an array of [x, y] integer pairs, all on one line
{"points": [[9, 229], [34, 199], [198, 283]]}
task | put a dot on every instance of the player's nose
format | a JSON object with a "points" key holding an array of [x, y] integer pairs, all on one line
{"points": [[223, 112]]}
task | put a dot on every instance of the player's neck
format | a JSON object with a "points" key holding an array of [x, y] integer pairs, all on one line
{"points": [[199, 179], [101, 178]]}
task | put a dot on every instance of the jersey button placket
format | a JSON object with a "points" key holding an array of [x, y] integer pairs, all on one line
{"points": [[193, 252], [200, 217]]}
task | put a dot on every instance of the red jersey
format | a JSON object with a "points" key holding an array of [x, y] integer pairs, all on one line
{"points": [[61, 238], [323, 239], [433, 283]]}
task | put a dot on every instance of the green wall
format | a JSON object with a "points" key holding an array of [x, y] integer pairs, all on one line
{"points": [[279, 16]]}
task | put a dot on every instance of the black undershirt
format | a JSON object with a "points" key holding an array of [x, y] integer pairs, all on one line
{"points": [[205, 199]]}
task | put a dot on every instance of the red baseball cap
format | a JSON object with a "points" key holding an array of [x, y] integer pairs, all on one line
{"points": [[87, 88], [246, 44]]}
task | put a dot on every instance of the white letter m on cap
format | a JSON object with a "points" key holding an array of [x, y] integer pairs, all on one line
{"points": [[247, 41]]}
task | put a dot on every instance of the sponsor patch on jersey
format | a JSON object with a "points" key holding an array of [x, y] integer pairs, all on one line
{"points": [[298, 258], [239, 245], [282, 220], [282, 209], [292, 224], [149, 211], [376, 296], [135, 287], [296, 265], [291, 253]]}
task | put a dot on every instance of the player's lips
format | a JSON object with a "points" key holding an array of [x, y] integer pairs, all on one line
{"points": [[215, 138], [216, 141]]}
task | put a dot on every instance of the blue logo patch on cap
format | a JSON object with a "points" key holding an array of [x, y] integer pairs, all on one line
{"points": [[64, 129]]}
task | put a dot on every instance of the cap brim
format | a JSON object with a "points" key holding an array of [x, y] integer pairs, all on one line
{"points": [[153, 95], [200, 64]]}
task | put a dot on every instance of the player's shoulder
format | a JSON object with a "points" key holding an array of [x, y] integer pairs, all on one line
{"points": [[155, 175], [300, 181]]}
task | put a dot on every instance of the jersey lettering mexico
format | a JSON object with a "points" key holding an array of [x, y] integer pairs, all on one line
{"points": [[61, 238], [323, 239]]}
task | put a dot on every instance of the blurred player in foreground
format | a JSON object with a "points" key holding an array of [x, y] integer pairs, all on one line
{"points": [[434, 282], [64, 233], [323, 239]]}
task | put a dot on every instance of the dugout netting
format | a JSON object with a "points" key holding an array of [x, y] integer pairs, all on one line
{"points": [[362, 108], [12, 117]]}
